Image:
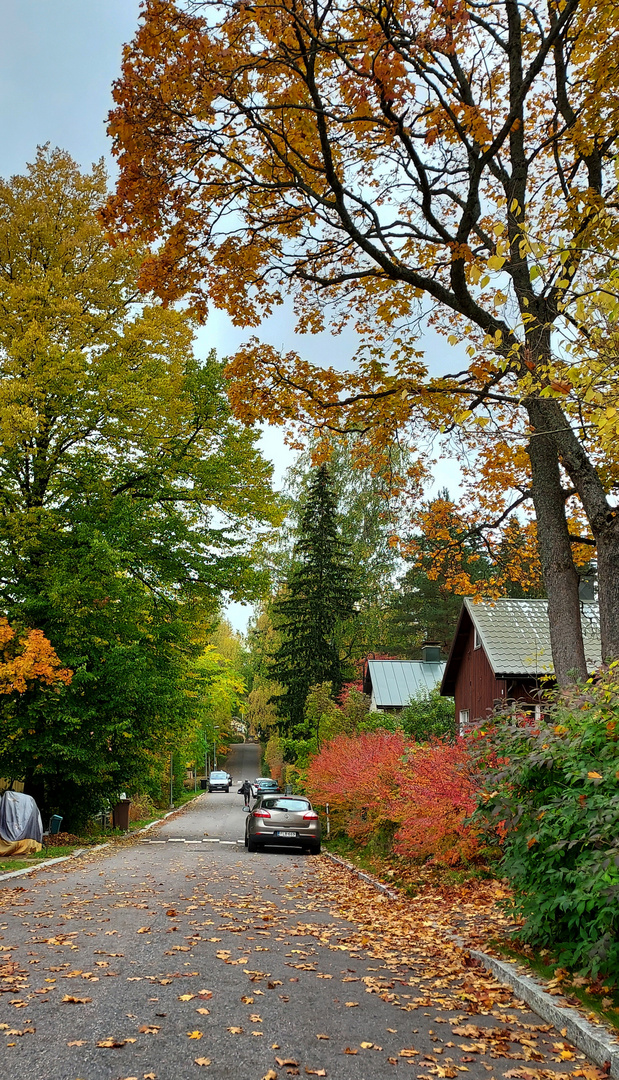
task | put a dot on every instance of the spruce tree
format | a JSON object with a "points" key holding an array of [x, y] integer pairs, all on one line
{"points": [[319, 598]]}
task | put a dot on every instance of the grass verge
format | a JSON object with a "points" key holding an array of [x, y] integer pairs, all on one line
{"points": [[30, 861]]}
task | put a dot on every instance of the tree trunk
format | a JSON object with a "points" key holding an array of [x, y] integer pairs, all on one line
{"points": [[560, 575], [602, 517], [608, 589]]}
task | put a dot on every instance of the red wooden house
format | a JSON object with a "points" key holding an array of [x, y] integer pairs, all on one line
{"points": [[501, 652]]}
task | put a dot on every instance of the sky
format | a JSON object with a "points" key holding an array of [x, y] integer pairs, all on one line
{"points": [[58, 60]]}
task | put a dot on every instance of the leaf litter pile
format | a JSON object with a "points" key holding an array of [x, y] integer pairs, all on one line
{"points": [[232, 947]]}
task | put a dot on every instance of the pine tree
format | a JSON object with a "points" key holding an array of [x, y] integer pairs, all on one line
{"points": [[320, 596]]}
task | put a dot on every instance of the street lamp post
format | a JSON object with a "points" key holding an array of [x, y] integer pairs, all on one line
{"points": [[215, 730]]}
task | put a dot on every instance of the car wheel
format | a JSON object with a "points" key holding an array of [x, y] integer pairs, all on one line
{"points": [[246, 841], [252, 845], [313, 849], [227, 791]]}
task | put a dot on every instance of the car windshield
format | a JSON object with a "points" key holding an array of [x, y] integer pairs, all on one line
{"points": [[219, 776], [294, 805]]}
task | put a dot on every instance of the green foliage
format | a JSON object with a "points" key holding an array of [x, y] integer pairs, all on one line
{"points": [[367, 519], [319, 599], [552, 792], [429, 716], [129, 497]]}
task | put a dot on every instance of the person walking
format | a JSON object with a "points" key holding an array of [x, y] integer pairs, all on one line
{"points": [[245, 791]]}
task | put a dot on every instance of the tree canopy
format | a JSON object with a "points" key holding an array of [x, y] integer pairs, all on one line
{"points": [[396, 165], [130, 498]]}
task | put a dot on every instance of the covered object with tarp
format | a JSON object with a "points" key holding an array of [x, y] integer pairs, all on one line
{"points": [[21, 828]]}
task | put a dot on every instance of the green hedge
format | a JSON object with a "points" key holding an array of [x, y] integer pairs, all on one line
{"points": [[551, 790]]}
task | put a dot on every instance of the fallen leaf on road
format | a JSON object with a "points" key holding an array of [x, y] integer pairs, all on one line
{"points": [[315, 1072], [202, 1061], [170, 913], [322, 1036], [206, 994], [366, 1045], [144, 930], [392, 1061], [349, 1051], [150, 1076], [351, 1004], [204, 1012], [186, 997], [271, 1075], [112, 1043], [75, 1000], [195, 1034], [235, 1030], [77, 1042], [148, 1029], [255, 1019], [257, 1032], [247, 1000], [407, 1053], [283, 1062]]}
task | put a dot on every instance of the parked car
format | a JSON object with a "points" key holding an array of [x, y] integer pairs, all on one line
{"points": [[288, 820], [219, 781], [264, 783]]}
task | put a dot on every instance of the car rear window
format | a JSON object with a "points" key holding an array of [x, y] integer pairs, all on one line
{"points": [[285, 804]]}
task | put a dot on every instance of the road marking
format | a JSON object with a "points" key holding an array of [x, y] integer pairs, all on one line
{"points": [[178, 840]]}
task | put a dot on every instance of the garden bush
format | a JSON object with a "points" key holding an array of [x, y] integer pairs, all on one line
{"points": [[418, 798], [551, 788]]}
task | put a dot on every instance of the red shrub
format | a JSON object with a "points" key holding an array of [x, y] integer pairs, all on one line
{"points": [[427, 791], [356, 774], [438, 791]]}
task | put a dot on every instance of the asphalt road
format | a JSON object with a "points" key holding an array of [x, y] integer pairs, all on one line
{"points": [[183, 955]]}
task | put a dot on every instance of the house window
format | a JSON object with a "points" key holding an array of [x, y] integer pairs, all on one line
{"points": [[476, 639], [464, 721]]}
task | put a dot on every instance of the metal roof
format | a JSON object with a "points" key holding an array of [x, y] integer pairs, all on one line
{"points": [[515, 635], [395, 682]]}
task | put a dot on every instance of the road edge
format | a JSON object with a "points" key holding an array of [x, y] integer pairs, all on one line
{"points": [[601, 1046], [99, 847]]}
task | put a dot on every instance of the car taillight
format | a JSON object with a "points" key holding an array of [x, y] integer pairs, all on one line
{"points": [[310, 816], [263, 813]]}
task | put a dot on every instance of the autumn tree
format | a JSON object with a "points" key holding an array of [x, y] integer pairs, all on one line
{"points": [[129, 496], [318, 600], [28, 660], [390, 165], [450, 556]]}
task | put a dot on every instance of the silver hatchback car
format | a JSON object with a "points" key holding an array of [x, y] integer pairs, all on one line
{"points": [[286, 820]]}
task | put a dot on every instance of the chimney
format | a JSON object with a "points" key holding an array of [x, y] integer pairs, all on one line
{"points": [[431, 652]]}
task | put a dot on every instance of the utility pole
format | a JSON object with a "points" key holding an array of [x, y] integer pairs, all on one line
{"points": [[171, 781]]}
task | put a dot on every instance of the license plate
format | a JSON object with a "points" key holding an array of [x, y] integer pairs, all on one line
{"points": [[292, 834]]}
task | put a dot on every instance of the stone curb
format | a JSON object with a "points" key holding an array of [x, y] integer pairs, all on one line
{"points": [[599, 1045]]}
